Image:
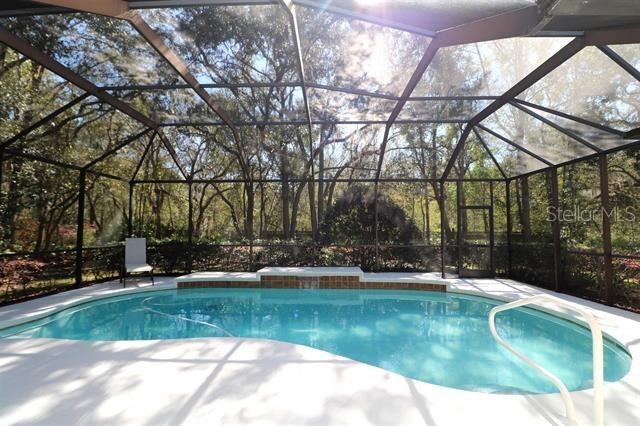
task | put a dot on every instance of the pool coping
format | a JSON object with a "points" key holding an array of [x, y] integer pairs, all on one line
{"points": [[622, 326]]}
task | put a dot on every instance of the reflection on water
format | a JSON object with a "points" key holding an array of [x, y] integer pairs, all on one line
{"points": [[438, 338]]}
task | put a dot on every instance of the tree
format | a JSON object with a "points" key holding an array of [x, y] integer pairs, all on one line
{"points": [[352, 221]]}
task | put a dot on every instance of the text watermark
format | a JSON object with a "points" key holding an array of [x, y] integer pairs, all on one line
{"points": [[581, 214]]}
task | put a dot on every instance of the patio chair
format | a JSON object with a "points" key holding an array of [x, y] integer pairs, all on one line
{"points": [[135, 258]]}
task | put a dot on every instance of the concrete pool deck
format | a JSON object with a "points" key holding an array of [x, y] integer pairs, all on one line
{"points": [[254, 381]]}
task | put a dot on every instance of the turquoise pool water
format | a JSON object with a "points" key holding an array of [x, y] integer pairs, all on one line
{"points": [[438, 338]]}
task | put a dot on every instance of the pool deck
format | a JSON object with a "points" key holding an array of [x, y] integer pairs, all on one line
{"points": [[254, 381]]}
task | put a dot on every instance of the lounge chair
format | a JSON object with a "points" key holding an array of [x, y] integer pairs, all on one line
{"points": [[135, 258]]}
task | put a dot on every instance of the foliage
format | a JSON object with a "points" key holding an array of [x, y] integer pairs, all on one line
{"points": [[352, 221], [31, 275], [627, 282]]}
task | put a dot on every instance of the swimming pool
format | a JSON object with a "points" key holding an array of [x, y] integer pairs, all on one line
{"points": [[440, 338]]}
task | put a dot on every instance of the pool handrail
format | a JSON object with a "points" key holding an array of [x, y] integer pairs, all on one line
{"points": [[597, 352]]}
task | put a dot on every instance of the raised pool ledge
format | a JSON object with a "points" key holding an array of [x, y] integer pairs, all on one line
{"points": [[315, 277]]}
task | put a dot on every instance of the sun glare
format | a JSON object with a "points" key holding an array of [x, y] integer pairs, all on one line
{"points": [[370, 2]]}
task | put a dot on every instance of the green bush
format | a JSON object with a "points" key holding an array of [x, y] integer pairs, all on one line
{"points": [[352, 221]]}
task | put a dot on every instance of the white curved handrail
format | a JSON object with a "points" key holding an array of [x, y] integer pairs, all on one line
{"points": [[598, 356]]}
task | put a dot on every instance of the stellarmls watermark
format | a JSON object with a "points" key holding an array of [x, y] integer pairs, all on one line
{"points": [[581, 214]]}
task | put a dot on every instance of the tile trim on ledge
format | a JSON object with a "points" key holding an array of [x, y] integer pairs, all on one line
{"points": [[322, 282]]}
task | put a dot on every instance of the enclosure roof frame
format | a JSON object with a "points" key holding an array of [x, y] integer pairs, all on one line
{"points": [[525, 21]]}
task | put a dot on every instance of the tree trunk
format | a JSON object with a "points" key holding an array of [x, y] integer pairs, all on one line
{"points": [[40, 230], [444, 218], [320, 199], [295, 206], [462, 201], [12, 204], [248, 230], [427, 218], [158, 202], [312, 209], [525, 210], [263, 212], [286, 222], [433, 171]]}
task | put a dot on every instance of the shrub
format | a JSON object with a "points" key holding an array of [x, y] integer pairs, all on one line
{"points": [[352, 221]]}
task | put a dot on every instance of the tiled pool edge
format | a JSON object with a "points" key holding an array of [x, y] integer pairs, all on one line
{"points": [[314, 278], [319, 282]]}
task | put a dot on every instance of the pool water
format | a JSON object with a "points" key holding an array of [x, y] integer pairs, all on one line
{"points": [[440, 338]]}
